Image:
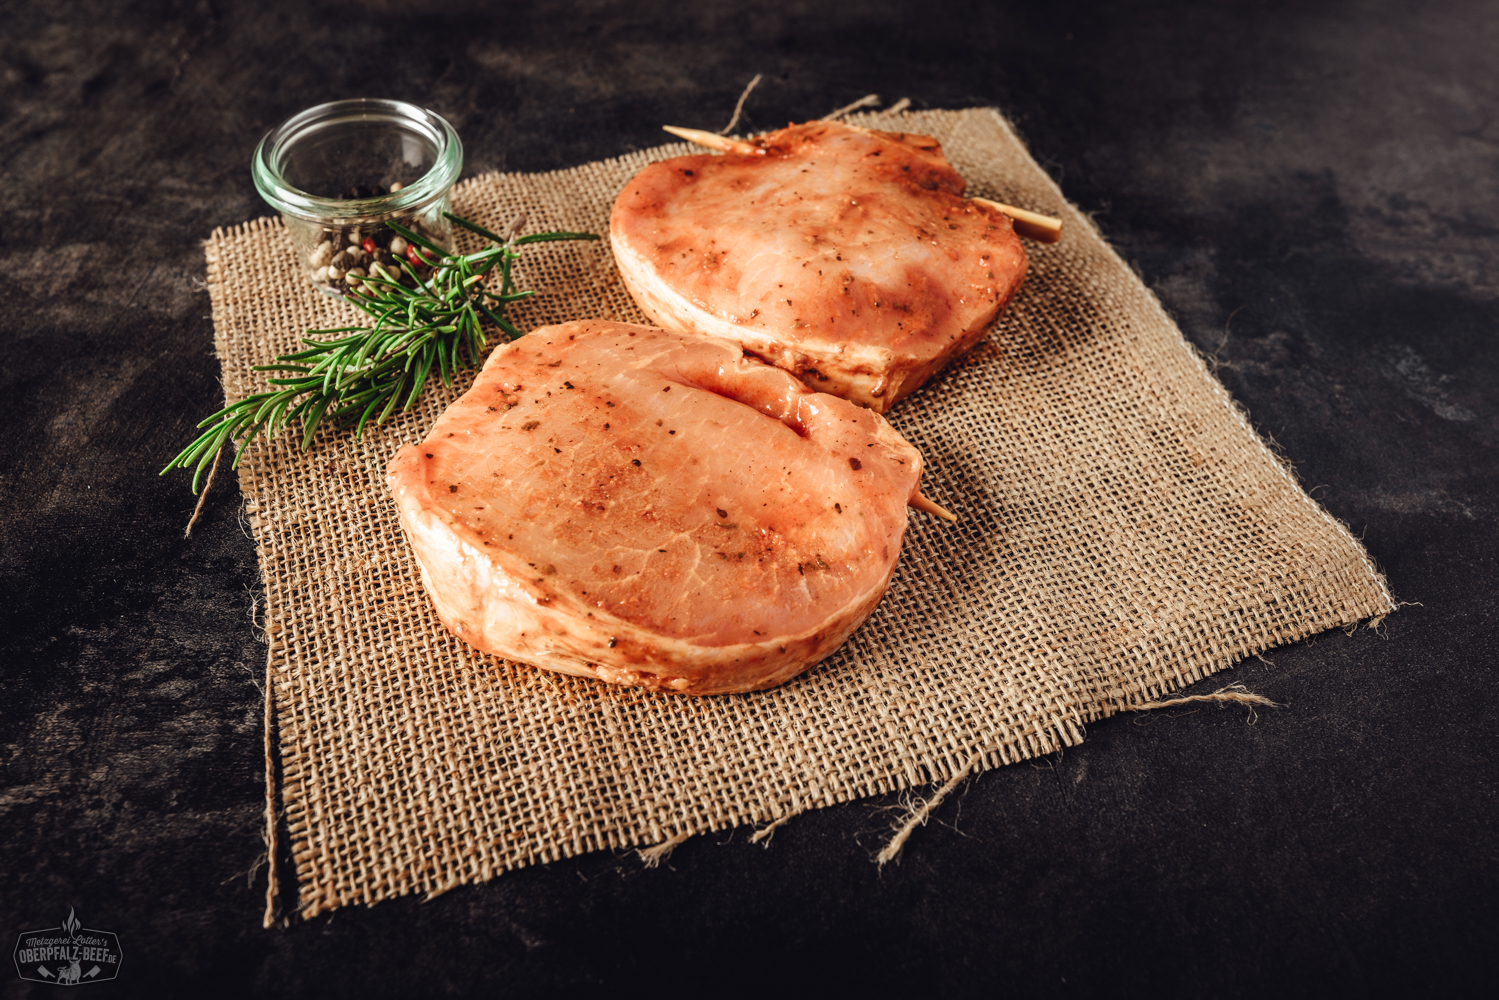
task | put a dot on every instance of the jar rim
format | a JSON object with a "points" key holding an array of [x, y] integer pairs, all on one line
{"points": [[292, 201]]}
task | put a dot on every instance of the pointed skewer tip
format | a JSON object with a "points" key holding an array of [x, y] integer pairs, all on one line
{"points": [[713, 140], [1031, 225], [926, 506]]}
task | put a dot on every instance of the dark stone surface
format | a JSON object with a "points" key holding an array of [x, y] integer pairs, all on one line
{"points": [[1311, 188]]}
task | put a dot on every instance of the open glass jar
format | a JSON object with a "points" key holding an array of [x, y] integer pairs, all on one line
{"points": [[339, 171]]}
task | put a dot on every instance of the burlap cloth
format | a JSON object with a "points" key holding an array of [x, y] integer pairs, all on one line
{"points": [[1124, 532]]}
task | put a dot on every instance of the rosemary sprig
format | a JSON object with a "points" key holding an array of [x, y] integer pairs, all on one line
{"points": [[365, 373]]}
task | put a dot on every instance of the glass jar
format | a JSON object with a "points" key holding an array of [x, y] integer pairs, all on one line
{"points": [[339, 171]]}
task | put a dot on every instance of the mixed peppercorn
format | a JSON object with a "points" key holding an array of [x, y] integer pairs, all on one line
{"points": [[344, 259]]}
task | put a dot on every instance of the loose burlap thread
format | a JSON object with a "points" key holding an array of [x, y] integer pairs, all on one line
{"points": [[1124, 533]]}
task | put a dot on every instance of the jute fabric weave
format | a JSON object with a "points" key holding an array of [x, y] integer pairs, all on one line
{"points": [[1124, 532]]}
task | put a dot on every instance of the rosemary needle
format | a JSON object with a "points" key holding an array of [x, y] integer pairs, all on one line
{"points": [[363, 373]]}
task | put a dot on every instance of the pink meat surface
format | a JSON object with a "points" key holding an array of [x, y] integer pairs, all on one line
{"points": [[653, 508], [844, 255]]}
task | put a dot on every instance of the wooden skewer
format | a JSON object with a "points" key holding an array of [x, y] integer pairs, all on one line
{"points": [[715, 141], [926, 506], [1032, 225]]}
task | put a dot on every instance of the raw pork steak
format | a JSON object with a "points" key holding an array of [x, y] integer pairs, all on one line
{"points": [[653, 508], [846, 256]]}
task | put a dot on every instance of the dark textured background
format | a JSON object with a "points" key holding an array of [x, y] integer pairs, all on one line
{"points": [[1311, 188]]}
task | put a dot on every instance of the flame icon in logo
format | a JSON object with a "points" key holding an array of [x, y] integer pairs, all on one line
{"points": [[69, 954]]}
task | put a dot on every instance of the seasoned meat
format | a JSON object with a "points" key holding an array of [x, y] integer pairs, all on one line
{"points": [[653, 508], [846, 256]]}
